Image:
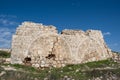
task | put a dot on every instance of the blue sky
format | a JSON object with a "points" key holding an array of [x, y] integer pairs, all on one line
{"points": [[102, 15]]}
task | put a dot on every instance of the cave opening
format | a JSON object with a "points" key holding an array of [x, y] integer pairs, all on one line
{"points": [[27, 60]]}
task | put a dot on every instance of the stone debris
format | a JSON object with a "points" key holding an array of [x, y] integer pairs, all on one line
{"points": [[46, 48], [116, 57], [8, 68], [2, 73], [7, 60]]}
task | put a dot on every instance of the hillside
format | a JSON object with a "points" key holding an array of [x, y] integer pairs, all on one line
{"points": [[97, 70]]}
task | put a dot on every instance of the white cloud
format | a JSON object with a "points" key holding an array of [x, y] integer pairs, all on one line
{"points": [[5, 37], [115, 46], [6, 30], [106, 33], [10, 16], [8, 20]]}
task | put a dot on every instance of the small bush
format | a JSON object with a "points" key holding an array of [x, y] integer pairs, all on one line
{"points": [[4, 54], [26, 68], [83, 71]]}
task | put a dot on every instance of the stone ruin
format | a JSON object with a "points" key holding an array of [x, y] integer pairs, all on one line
{"points": [[39, 45]]}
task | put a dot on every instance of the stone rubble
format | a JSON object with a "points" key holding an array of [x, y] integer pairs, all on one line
{"points": [[42, 46]]}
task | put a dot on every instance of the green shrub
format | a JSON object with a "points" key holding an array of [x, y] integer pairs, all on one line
{"points": [[116, 52], [83, 71], [4, 54]]}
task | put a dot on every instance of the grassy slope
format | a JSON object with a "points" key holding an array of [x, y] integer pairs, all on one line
{"points": [[4, 54], [84, 71], [80, 71]]}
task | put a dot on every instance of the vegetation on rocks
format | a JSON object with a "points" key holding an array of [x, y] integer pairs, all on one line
{"points": [[4, 54], [97, 70], [116, 52], [91, 70]]}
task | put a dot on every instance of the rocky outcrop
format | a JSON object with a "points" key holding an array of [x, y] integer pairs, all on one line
{"points": [[41, 46]]}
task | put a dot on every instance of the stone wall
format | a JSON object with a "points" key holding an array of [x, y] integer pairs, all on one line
{"points": [[42, 46]]}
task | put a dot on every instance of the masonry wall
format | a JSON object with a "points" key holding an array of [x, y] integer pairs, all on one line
{"points": [[46, 48]]}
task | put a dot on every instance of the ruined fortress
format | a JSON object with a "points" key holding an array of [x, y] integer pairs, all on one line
{"points": [[42, 46]]}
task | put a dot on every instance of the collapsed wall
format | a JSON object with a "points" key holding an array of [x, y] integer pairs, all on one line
{"points": [[42, 46]]}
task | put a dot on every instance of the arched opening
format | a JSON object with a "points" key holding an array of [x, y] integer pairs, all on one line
{"points": [[27, 60], [49, 50]]}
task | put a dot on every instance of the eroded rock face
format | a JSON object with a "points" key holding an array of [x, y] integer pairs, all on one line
{"points": [[42, 46]]}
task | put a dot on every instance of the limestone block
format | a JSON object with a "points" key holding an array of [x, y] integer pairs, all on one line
{"points": [[63, 65], [56, 59], [36, 65], [54, 66], [54, 62], [58, 65], [46, 65]]}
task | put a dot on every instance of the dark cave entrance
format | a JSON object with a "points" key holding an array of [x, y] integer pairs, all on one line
{"points": [[27, 61]]}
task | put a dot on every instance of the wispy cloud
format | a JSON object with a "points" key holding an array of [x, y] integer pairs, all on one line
{"points": [[115, 46], [5, 37], [10, 16], [106, 33], [8, 20], [7, 24]]}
